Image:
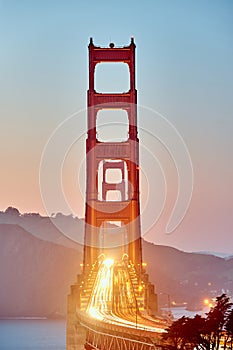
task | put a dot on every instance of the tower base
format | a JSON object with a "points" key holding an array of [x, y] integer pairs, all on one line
{"points": [[75, 333]]}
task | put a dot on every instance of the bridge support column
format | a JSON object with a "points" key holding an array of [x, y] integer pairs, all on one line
{"points": [[121, 217], [123, 156], [75, 333]]}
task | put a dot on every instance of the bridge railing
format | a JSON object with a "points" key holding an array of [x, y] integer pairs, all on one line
{"points": [[106, 341]]}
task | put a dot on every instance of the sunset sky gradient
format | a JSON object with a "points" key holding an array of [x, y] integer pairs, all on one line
{"points": [[184, 71]]}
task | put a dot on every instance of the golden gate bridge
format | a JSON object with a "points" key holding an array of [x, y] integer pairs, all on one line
{"points": [[113, 298]]}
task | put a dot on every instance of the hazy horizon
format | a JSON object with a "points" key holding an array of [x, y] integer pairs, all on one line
{"points": [[72, 237]]}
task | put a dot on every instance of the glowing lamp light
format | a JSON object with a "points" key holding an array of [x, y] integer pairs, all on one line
{"points": [[103, 282], [94, 313], [108, 262]]}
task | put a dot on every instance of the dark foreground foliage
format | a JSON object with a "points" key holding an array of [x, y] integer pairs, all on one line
{"points": [[213, 332]]}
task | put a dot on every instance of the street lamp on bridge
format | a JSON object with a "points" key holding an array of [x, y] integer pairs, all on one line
{"points": [[169, 313]]}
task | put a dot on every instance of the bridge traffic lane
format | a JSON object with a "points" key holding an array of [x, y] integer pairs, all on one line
{"points": [[113, 299]]}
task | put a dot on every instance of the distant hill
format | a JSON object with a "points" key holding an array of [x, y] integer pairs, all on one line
{"points": [[35, 275], [189, 277], [38, 264], [219, 254], [60, 229]]}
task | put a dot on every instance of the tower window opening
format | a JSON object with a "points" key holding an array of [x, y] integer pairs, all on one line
{"points": [[112, 125], [113, 196], [113, 176], [112, 77]]}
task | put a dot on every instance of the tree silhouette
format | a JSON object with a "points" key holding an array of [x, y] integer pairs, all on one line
{"points": [[216, 320], [203, 333], [229, 330], [175, 336], [12, 211]]}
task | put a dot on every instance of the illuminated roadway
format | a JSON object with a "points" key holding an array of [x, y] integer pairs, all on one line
{"points": [[114, 302]]}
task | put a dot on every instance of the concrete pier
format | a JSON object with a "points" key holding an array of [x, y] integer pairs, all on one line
{"points": [[75, 333]]}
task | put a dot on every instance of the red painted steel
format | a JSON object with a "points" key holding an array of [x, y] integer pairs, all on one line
{"points": [[112, 155]]}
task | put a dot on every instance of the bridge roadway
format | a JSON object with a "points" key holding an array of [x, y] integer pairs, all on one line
{"points": [[116, 307]]}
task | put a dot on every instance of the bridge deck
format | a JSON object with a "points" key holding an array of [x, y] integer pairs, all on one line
{"points": [[115, 306]]}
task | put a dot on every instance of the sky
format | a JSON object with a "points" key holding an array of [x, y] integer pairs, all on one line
{"points": [[184, 73]]}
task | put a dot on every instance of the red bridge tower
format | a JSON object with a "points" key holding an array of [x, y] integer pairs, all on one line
{"points": [[101, 235], [112, 155]]}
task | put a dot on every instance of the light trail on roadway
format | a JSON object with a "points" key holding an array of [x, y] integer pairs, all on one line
{"points": [[113, 299]]}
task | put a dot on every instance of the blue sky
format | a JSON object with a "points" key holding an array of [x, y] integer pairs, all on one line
{"points": [[184, 71]]}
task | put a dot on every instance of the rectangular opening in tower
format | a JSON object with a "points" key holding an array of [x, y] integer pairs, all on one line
{"points": [[113, 238], [112, 125], [112, 77], [112, 180], [113, 196], [113, 176]]}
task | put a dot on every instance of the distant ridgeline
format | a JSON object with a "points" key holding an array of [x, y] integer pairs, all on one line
{"points": [[62, 229], [38, 262]]}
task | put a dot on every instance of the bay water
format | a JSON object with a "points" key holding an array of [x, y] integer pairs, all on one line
{"points": [[32, 334]]}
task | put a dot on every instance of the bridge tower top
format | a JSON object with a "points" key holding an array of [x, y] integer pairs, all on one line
{"points": [[125, 54], [103, 215]]}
